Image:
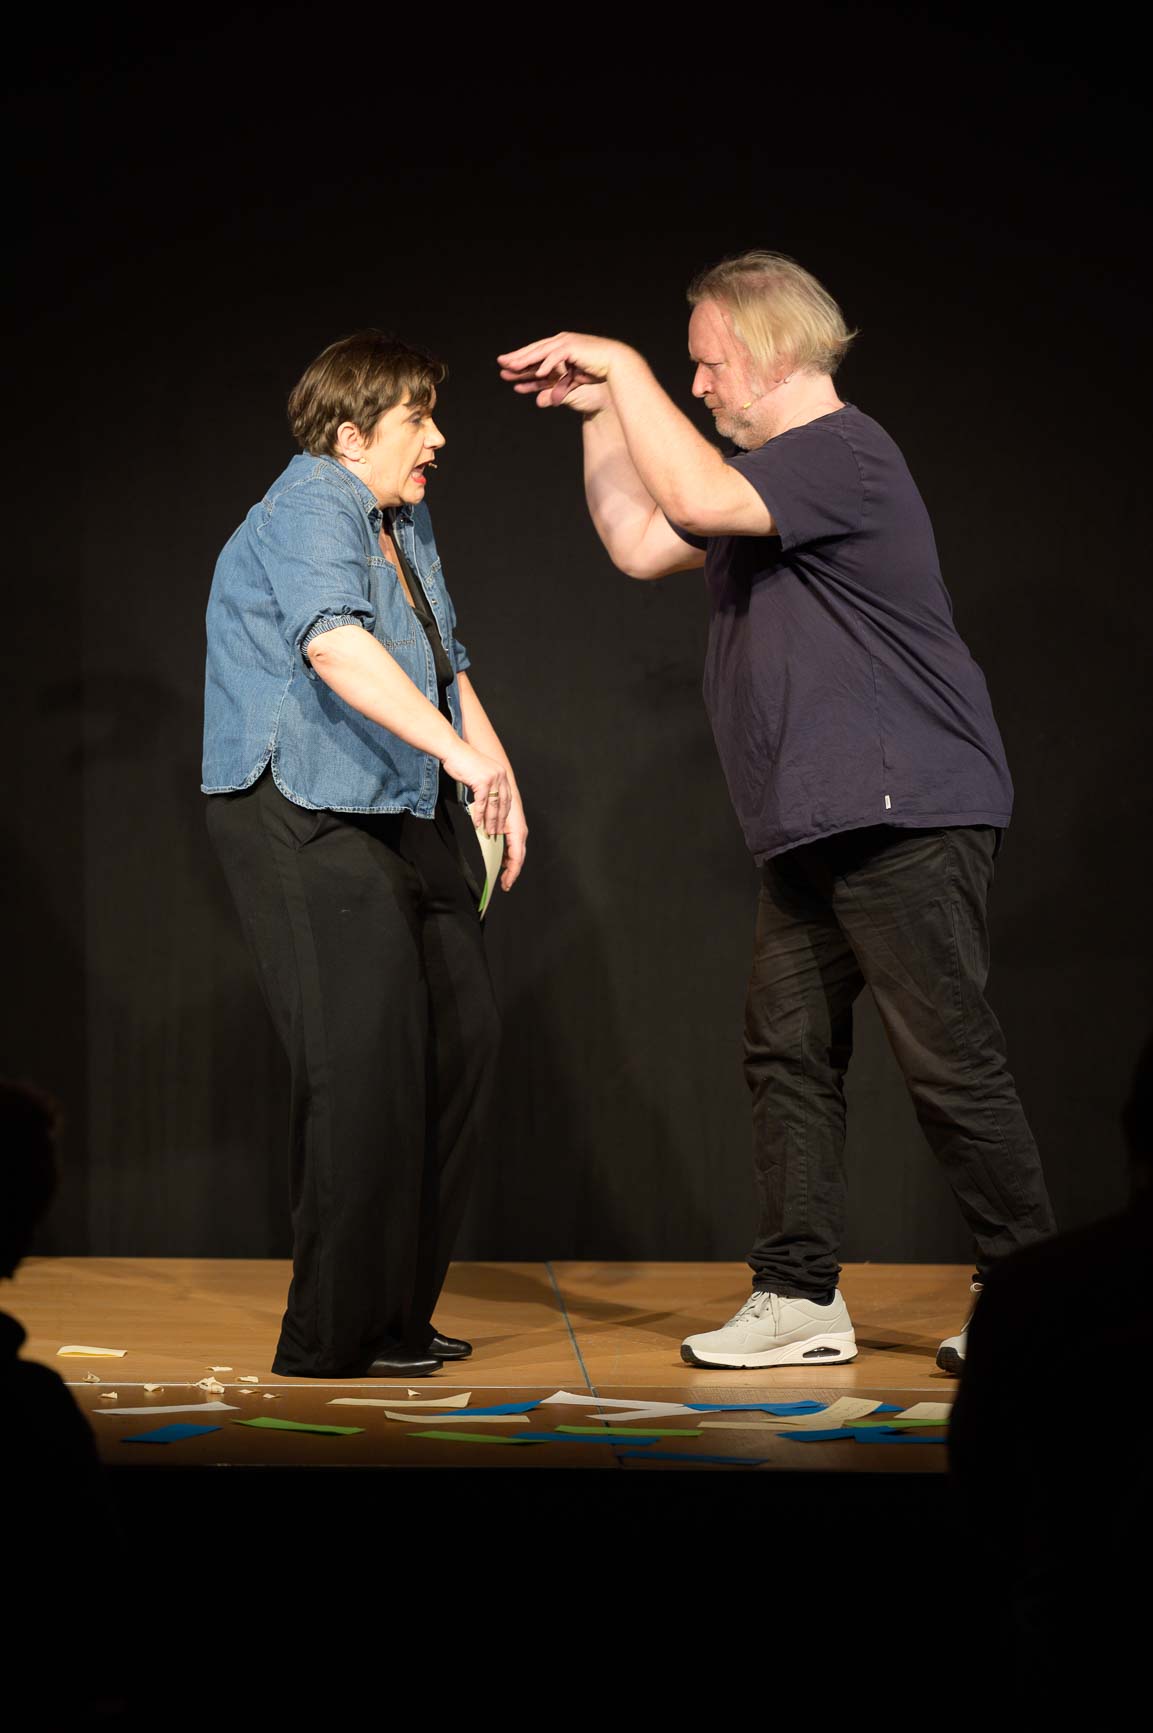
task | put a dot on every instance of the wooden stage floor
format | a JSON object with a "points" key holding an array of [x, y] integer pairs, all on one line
{"points": [[607, 1330]]}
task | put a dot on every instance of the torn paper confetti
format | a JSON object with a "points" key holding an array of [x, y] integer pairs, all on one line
{"points": [[271, 1425], [637, 1403], [466, 1419], [838, 1413], [471, 1437], [167, 1434], [212, 1384], [249, 1378], [95, 1353], [170, 1408], [399, 1402]]}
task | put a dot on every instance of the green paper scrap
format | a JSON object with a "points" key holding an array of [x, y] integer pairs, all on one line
{"points": [[271, 1425], [901, 1425], [456, 1437], [633, 1431]]}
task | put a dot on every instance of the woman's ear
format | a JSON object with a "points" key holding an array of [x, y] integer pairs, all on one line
{"points": [[350, 442]]}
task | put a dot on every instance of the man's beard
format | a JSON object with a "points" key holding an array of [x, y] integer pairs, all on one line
{"points": [[733, 427]]}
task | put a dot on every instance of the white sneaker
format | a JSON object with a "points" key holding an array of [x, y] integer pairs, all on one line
{"points": [[771, 1330], [951, 1353]]}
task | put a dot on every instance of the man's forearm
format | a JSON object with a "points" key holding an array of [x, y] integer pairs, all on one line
{"points": [[620, 505], [674, 464]]}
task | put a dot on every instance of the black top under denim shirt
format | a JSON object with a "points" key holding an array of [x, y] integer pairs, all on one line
{"points": [[445, 672]]}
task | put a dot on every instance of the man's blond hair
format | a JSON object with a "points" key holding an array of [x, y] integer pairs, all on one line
{"points": [[782, 315]]}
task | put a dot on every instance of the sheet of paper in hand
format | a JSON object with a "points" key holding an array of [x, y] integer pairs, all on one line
{"points": [[492, 850]]}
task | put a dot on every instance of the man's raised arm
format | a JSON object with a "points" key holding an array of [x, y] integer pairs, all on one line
{"points": [[634, 530]]}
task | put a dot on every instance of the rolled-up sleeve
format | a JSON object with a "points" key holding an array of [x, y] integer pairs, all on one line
{"points": [[314, 557]]}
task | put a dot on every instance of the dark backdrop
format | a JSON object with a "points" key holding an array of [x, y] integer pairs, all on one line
{"points": [[200, 212]]}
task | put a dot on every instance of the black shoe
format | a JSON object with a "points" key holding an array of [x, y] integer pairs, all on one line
{"points": [[449, 1348], [398, 1364]]}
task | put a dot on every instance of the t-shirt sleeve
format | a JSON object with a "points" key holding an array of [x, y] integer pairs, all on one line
{"points": [[701, 542], [810, 481]]}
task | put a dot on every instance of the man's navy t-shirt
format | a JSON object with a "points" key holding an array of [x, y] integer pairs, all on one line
{"points": [[839, 690]]}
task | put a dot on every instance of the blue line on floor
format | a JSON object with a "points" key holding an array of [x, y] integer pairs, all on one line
{"points": [[569, 1328]]}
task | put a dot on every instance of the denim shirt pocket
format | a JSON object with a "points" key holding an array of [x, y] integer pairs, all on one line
{"points": [[396, 625]]}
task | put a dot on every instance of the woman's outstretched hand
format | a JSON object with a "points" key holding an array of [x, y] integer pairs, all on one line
{"points": [[570, 368]]}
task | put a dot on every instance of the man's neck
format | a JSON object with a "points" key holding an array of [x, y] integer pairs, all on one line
{"points": [[804, 399]]}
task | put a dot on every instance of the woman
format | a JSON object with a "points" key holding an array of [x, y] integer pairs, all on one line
{"points": [[339, 720]]}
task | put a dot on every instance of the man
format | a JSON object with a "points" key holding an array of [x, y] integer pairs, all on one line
{"points": [[861, 754]]}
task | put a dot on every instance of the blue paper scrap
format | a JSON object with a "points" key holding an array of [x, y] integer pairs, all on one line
{"points": [[883, 1435], [778, 1408], [168, 1434], [819, 1436], [496, 1408], [688, 1456], [862, 1434]]}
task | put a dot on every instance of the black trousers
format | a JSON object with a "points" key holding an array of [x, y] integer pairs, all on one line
{"points": [[371, 959], [902, 911]]}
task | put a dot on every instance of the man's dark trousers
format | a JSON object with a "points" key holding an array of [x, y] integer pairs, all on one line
{"points": [[904, 912]]}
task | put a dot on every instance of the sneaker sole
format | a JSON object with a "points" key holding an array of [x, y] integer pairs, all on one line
{"points": [[949, 1360], [813, 1351]]}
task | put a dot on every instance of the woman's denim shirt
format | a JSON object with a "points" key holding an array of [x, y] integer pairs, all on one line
{"points": [[305, 560]]}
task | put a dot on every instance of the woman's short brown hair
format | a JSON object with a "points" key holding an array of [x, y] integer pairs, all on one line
{"points": [[358, 379]]}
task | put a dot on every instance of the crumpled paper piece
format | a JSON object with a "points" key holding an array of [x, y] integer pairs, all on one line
{"points": [[211, 1384]]}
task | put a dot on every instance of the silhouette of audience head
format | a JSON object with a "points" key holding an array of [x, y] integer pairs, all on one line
{"points": [[28, 1125]]}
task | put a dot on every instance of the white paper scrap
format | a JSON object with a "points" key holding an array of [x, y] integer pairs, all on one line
{"points": [[651, 1411], [269, 1395], [110, 1396], [220, 1368], [248, 1378], [151, 1387], [98, 1353], [926, 1411], [395, 1402], [464, 1419], [171, 1408], [212, 1384], [634, 1404], [92, 1377]]}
